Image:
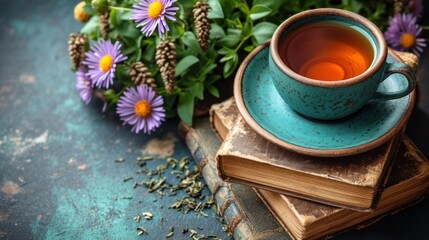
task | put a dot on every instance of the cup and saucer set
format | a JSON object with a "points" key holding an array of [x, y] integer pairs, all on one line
{"points": [[282, 106]]}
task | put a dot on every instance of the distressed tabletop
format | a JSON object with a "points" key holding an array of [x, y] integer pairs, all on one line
{"points": [[58, 175]]}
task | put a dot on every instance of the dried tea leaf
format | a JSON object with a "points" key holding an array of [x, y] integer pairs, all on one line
{"points": [[146, 158], [141, 230], [137, 218], [147, 215], [169, 235], [127, 179], [157, 185], [193, 233]]}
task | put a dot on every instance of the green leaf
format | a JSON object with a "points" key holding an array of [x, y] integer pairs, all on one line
{"points": [[91, 25], [177, 30], [243, 7], [208, 69], [271, 4], [128, 29], [249, 48], [125, 15], [185, 63], [228, 7], [113, 18], [263, 31], [224, 51], [230, 65], [215, 9], [216, 31], [198, 90], [213, 91], [259, 11], [232, 39], [88, 9], [191, 41], [247, 28], [227, 57], [185, 107]]}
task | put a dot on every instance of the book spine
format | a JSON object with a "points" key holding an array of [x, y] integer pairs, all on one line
{"points": [[241, 224]]}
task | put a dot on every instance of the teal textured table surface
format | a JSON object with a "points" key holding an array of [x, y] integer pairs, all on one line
{"points": [[58, 174]]}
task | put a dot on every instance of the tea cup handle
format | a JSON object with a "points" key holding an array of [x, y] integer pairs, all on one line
{"points": [[400, 68]]}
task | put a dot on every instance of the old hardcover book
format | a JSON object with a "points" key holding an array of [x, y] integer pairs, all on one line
{"points": [[407, 183], [353, 182], [244, 212]]}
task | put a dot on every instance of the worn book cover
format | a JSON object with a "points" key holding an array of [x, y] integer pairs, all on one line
{"points": [[351, 182], [407, 183]]}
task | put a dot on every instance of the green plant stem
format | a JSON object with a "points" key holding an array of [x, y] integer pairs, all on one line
{"points": [[185, 24], [425, 27], [241, 43], [120, 8]]}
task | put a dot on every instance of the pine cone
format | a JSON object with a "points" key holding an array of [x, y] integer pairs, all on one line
{"points": [[398, 5], [166, 61], [77, 44], [140, 75], [104, 23], [202, 23]]}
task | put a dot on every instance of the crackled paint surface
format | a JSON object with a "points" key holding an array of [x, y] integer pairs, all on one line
{"points": [[58, 178]]}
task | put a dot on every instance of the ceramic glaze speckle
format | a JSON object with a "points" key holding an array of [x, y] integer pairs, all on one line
{"points": [[270, 112], [323, 103]]}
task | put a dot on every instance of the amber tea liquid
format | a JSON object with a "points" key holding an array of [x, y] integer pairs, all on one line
{"points": [[327, 51]]}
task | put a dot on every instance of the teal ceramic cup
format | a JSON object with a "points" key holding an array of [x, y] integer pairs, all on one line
{"points": [[328, 100]]}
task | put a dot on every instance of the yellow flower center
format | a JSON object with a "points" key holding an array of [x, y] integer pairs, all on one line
{"points": [[143, 109], [408, 40], [106, 63], [155, 10]]}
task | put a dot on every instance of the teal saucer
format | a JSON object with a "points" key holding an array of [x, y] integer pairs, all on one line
{"points": [[266, 113]]}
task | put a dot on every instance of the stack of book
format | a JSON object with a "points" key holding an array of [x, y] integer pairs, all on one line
{"points": [[267, 192]]}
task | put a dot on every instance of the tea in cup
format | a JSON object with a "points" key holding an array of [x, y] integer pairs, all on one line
{"points": [[328, 63]]}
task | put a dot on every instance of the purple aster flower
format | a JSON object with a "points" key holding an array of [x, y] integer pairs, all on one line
{"points": [[141, 107], [83, 85], [402, 34], [101, 61], [415, 7], [152, 13]]}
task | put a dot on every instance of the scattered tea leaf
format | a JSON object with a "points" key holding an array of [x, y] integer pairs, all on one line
{"points": [[193, 233], [169, 235], [127, 179], [147, 215], [141, 230]]}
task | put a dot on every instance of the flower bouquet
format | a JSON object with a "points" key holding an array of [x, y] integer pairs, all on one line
{"points": [[156, 59]]}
